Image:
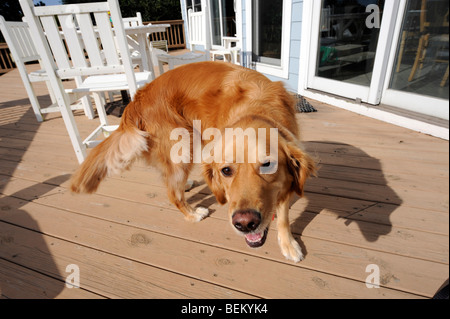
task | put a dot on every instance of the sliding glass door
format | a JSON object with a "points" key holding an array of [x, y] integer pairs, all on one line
{"points": [[348, 47], [393, 53], [418, 79]]}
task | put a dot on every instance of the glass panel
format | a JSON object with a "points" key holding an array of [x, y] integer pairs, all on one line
{"points": [[197, 5], [229, 18], [215, 23], [267, 26], [348, 38], [421, 64]]}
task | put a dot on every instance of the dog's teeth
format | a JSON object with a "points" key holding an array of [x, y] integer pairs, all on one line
{"points": [[253, 237]]}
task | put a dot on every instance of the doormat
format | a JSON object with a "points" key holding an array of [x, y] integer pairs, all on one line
{"points": [[303, 106]]}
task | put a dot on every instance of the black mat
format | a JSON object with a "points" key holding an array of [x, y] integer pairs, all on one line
{"points": [[303, 106]]}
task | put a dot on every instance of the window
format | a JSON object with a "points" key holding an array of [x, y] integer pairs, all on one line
{"points": [[267, 18], [195, 5], [421, 64], [223, 20], [268, 39]]}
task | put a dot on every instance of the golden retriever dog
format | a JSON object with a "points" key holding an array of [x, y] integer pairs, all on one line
{"points": [[213, 97]]}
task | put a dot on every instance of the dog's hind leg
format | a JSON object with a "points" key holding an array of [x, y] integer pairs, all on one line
{"points": [[176, 179]]}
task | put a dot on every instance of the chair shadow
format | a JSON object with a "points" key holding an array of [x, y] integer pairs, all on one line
{"points": [[372, 215]]}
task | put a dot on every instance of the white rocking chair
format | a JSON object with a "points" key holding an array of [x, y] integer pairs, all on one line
{"points": [[93, 56], [18, 37]]}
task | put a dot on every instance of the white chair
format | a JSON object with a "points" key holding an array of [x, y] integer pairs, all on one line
{"points": [[228, 52], [18, 38], [198, 31], [133, 44], [133, 21], [198, 41], [93, 56]]}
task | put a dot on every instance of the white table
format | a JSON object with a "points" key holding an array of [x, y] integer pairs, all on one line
{"points": [[138, 39]]}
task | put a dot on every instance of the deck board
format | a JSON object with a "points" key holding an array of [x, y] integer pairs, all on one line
{"points": [[381, 197]]}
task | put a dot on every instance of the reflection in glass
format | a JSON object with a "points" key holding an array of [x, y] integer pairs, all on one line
{"points": [[348, 40], [422, 62], [267, 22], [222, 15]]}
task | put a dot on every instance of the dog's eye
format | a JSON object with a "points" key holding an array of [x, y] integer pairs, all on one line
{"points": [[227, 171], [266, 164]]}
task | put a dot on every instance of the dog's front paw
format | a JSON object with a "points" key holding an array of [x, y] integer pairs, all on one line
{"points": [[197, 215], [291, 249]]}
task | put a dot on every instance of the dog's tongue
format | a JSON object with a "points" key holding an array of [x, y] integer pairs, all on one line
{"points": [[253, 237]]}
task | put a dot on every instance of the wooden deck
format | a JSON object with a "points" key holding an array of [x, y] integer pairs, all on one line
{"points": [[381, 199]]}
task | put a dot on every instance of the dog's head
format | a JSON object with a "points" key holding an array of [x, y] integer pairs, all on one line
{"points": [[254, 178]]}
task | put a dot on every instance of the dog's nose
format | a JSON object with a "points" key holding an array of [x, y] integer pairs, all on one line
{"points": [[246, 220]]}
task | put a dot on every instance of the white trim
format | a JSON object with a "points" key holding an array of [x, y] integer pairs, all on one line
{"points": [[382, 53], [281, 71], [417, 103], [248, 26], [304, 46], [238, 12]]}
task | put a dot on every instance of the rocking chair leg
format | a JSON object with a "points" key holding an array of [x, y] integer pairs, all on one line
{"points": [[100, 105]]}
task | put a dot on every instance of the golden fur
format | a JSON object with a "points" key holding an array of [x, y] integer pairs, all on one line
{"points": [[221, 95]]}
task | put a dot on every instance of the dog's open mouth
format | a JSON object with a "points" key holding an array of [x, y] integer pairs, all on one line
{"points": [[256, 239]]}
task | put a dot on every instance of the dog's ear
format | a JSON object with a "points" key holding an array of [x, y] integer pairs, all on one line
{"points": [[213, 183], [300, 166]]}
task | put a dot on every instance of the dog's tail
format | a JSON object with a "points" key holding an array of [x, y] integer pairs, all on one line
{"points": [[115, 154]]}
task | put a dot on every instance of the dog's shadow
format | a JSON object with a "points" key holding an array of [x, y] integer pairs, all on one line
{"points": [[350, 184]]}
